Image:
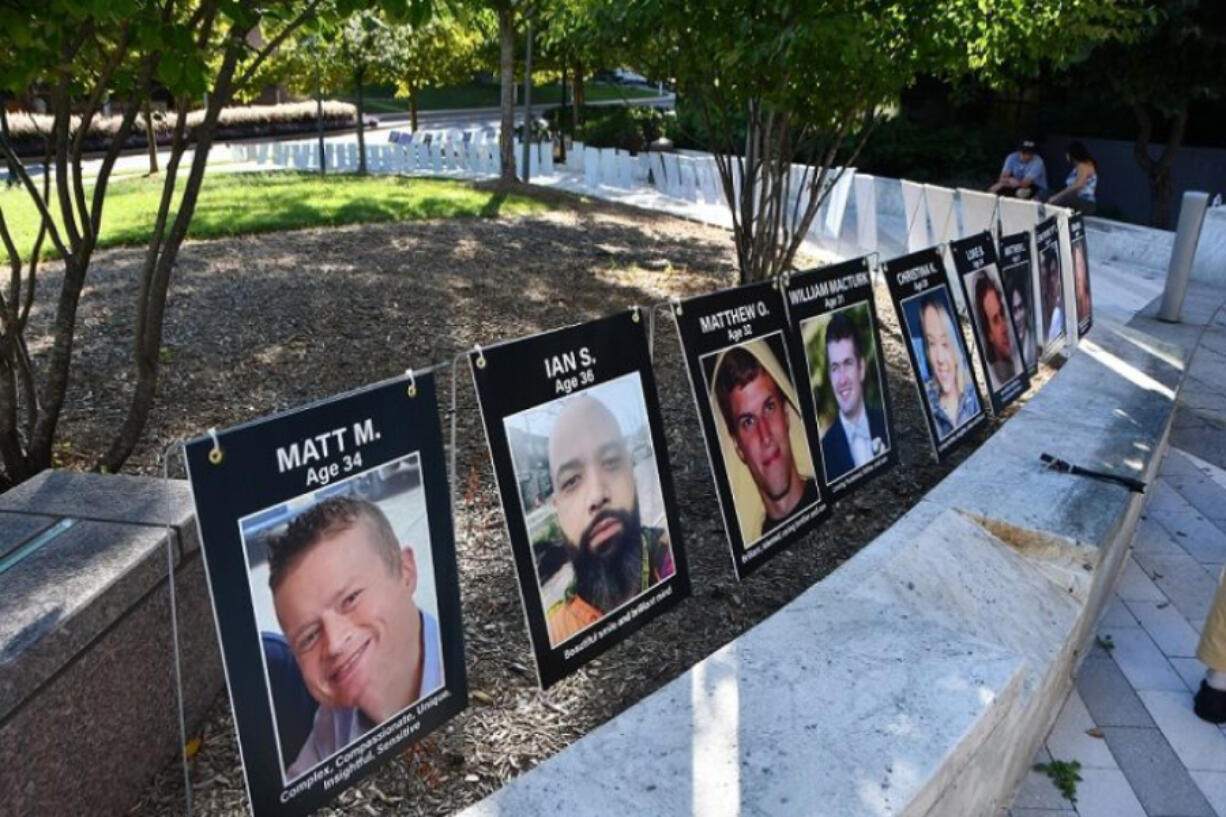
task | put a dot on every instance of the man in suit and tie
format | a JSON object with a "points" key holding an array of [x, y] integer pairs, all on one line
{"points": [[858, 434]]}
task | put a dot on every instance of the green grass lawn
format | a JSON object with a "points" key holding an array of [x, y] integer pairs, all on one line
{"points": [[483, 95], [243, 203]]}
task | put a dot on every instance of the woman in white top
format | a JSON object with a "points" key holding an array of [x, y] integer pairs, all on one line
{"points": [[1082, 182]]}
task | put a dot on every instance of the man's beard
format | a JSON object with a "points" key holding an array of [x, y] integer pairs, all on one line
{"points": [[609, 580]]}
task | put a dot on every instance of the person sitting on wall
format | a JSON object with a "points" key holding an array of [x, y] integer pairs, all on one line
{"points": [[343, 592], [613, 555], [1081, 186], [858, 434], [1023, 175]]}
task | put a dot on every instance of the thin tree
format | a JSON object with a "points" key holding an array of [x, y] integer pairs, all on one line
{"points": [[83, 53]]}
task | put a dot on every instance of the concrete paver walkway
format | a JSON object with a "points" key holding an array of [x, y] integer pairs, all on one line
{"points": [[1128, 720]]}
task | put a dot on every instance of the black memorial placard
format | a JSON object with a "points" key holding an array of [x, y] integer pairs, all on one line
{"points": [[919, 288], [758, 443], [577, 443], [1051, 285], [996, 338], [330, 556], [1081, 273], [835, 331], [1017, 274]]}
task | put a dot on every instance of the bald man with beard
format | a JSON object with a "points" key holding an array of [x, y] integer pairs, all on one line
{"points": [[613, 556]]}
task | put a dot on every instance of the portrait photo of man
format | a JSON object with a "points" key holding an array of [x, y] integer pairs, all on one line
{"points": [[762, 440], [1018, 291], [1081, 282], [346, 643], [845, 377], [994, 326], [590, 490]]}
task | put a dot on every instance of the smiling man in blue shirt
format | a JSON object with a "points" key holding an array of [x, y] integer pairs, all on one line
{"points": [[343, 590]]}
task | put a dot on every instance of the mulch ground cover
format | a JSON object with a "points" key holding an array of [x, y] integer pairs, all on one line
{"points": [[266, 323]]}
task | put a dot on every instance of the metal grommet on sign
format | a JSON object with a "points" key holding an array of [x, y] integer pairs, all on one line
{"points": [[634, 314], [412, 389], [480, 356], [215, 455], [676, 306]]}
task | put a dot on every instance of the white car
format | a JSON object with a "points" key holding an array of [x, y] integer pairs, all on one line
{"points": [[624, 76]]}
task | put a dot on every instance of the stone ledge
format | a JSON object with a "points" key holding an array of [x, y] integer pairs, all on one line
{"points": [[88, 706], [856, 698], [109, 498]]}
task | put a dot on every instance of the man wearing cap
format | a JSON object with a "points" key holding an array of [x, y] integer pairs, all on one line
{"points": [[1024, 175]]}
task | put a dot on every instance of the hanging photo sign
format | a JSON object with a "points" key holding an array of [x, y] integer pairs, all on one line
{"points": [[577, 443], [995, 336], [758, 443], [1081, 273], [948, 390], [1051, 285], [836, 333], [1017, 274], [330, 557]]}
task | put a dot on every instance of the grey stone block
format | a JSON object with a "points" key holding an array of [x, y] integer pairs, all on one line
{"points": [[18, 528], [1188, 585], [1175, 464], [1108, 695], [1203, 540], [1038, 792], [61, 597], [1158, 779], [1207, 439], [88, 706], [98, 730], [1203, 493], [108, 498]]}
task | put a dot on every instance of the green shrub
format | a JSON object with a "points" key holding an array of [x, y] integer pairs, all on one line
{"points": [[949, 154], [627, 127]]}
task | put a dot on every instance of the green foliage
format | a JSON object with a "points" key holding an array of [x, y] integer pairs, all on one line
{"points": [[626, 127], [247, 203], [1064, 774], [1173, 54], [443, 50], [948, 154]]}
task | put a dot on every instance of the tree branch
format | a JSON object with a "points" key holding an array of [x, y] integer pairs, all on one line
{"points": [[18, 167], [275, 42]]}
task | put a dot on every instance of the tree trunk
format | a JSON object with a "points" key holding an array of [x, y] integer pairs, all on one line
{"points": [[506, 136], [562, 115], [160, 258], [358, 80], [1158, 171], [1160, 197], [412, 107], [151, 138], [580, 95]]}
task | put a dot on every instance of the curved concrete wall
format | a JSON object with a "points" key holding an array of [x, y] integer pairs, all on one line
{"points": [[920, 677]]}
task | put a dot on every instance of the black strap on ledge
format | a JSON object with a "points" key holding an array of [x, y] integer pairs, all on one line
{"points": [[1057, 464]]}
